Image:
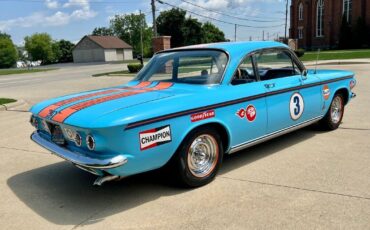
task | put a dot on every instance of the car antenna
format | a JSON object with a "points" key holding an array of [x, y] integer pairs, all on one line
{"points": [[317, 60]]}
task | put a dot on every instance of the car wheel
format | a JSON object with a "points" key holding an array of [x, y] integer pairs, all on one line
{"points": [[334, 116], [199, 158]]}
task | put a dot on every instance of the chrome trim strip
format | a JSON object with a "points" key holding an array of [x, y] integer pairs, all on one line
{"points": [[273, 135], [78, 158]]}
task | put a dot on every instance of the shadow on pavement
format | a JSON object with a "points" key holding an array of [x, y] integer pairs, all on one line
{"points": [[64, 195]]}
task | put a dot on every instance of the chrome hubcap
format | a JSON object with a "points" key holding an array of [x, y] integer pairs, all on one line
{"points": [[336, 110], [203, 155]]}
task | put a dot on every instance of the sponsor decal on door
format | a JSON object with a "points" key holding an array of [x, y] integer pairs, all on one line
{"points": [[155, 137], [202, 115], [250, 113]]}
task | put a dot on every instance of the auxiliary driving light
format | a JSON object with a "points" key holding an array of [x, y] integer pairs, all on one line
{"points": [[78, 140], [90, 142]]}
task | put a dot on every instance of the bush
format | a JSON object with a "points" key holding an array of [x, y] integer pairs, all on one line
{"points": [[134, 68], [299, 52]]}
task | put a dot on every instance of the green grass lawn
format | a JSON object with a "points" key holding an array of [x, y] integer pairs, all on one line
{"points": [[336, 54], [19, 71], [124, 73], [6, 100]]}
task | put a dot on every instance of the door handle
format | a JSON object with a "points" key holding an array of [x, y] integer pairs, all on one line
{"points": [[269, 86]]}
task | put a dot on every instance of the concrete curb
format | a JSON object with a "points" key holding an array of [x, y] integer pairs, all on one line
{"points": [[12, 105]]}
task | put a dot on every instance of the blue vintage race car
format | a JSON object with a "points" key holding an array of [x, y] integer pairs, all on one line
{"points": [[189, 106]]}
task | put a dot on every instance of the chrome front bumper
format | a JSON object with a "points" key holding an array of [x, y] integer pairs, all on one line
{"points": [[77, 158]]}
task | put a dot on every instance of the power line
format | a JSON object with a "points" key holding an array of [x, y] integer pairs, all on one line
{"points": [[225, 14], [218, 20]]}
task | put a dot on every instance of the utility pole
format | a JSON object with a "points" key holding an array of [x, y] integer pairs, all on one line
{"points": [[235, 33], [141, 34], [268, 36], [154, 21], [286, 19], [250, 38], [263, 35]]}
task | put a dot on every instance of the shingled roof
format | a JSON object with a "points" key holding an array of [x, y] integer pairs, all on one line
{"points": [[109, 42]]}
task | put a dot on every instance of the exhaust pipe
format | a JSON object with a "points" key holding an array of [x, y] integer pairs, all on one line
{"points": [[101, 180]]}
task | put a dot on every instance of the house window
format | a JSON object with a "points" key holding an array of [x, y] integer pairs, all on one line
{"points": [[300, 32], [347, 10], [320, 18], [300, 12]]}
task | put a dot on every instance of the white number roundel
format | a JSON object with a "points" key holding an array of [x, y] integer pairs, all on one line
{"points": [[296, 106]]}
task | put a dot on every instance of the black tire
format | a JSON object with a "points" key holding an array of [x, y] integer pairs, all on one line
{"points": [[181, 166], [329, 121]]}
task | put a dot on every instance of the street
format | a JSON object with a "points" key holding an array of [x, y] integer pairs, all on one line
{"points": [[308, 179]]}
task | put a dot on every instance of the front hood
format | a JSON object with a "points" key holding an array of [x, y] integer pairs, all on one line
{"points": [[83, 108]]}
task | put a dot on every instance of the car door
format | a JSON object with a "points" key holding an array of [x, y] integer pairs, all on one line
{"points": [[248, 119], [282, 81]]}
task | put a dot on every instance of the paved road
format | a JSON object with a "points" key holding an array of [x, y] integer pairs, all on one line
{"points": [[304, 180]]}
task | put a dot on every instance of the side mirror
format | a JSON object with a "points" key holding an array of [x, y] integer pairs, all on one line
{"points": [[304, 74]]}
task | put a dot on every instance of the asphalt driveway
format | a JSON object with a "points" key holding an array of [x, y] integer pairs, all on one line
{"points": [[308, 179]]}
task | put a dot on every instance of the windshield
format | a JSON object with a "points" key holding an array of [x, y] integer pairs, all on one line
{"points": [[190, 67]]}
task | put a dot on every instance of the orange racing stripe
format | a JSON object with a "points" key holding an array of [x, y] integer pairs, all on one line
{"points": [[45, 112], [65, 113]]}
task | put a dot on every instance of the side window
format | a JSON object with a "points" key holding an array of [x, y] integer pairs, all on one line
{"points": [[275, 64], [244, 73]]}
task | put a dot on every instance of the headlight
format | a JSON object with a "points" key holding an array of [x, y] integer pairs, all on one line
{"points": [[90, 142]]}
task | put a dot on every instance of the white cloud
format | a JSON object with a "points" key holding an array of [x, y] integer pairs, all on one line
{"points": [[59, 18], [52, 4], [84, 4]]}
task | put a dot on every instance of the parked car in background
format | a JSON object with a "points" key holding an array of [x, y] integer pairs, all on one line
{"points": [[188, 107]]}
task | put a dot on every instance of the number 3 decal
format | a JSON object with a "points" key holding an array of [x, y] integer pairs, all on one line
{"points": [[296, 106]]}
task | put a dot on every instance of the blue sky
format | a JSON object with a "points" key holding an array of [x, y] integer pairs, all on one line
{"points": [[72, 19]]}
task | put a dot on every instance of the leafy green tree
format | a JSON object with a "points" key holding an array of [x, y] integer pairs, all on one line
{"points": [[40, 47], [186, 31], [63, 51], [212, 34], [171, 23], [128, 27], [192, 31], [8, 52], [103, 31], [360, 33], [4, 35], [345, 35]]}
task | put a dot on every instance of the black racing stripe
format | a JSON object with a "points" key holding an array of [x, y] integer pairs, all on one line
{"points": [[232, 102]]}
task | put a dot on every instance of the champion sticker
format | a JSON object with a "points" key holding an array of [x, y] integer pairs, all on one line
{"points": [[250, 113], [326, 92], [202, 116], [155, 137]]}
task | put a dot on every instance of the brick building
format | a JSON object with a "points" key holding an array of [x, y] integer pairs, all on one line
{"points": [[316, 23]]}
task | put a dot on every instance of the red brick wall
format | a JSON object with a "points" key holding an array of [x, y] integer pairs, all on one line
{"points": [[333, 10]]}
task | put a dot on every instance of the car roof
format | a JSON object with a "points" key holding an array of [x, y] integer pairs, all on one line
{"points": [[235, 48]]}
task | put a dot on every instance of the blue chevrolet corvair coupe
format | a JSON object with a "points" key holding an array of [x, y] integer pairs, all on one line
{"points": [[189, 106]]}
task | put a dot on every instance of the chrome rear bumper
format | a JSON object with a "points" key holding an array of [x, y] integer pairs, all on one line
{"points": [[78, 158]]}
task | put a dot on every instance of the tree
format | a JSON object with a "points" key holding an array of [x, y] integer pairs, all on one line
{"points": [[192, 32], [360, 33], [171, 23], [4, 35], [212, 34], [8, 52], [186, 31], [103, 31], [128, 27], [63, 51], [345, 35], [39, 47]]}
